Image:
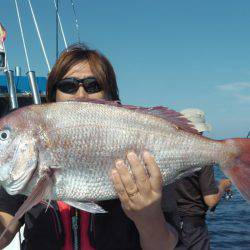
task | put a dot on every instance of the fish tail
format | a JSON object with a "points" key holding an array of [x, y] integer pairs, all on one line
{"points": [[237, 168]]}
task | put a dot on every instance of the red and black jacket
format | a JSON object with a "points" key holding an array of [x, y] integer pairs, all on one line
{"points": [[55, 229]]}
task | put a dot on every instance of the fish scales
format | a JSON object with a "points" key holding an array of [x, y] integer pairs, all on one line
{"points": [[66, 151], [82, 140], [89, 140]]}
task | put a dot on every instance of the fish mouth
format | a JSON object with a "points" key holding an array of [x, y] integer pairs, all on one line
{"points": [[15, 186], [19, 169], [7, 156], [4, 173], [6, 167]]}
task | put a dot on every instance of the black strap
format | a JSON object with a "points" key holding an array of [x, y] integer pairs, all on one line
{"points": [[43, 228]]}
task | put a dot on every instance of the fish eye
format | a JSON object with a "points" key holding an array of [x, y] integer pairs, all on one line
{"points": [[4, 135]]}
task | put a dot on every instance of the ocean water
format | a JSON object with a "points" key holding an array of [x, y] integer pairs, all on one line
{"points": [[229, 225]]}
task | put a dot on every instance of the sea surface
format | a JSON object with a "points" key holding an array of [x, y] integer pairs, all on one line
{"points": [[229, 225]]}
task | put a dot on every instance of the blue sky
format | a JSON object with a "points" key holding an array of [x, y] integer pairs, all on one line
{"points": [[178, 54]]}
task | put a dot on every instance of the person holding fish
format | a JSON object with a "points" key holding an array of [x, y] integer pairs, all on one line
{"points": [[134, 221], [73, 154], [195, 194]]}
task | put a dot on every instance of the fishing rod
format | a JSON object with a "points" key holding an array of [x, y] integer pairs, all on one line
{"points": [[30, 74]]}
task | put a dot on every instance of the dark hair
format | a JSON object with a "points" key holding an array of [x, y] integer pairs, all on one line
{"points": [[99, 65]]}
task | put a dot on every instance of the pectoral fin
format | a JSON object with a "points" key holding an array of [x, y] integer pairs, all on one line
{"points": [[41, 191], [90, 207]]}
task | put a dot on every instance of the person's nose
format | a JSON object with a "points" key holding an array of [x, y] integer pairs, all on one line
{"points": [[81, 93]]}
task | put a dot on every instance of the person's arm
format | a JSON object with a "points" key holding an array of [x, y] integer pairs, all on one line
{"points": [[156, 233], [211, 191], [213, 199], [9, 205], [140, 195], [5, 219]]}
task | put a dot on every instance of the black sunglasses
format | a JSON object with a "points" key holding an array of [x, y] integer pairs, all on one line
{"points": [[72, 84]]}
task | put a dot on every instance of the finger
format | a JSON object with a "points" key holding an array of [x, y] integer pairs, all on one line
{"points": [[119, 187], [126, 178], [139, 172], [153, 171]]}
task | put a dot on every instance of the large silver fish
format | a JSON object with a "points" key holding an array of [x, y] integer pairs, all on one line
{"points": [[65, 151]]}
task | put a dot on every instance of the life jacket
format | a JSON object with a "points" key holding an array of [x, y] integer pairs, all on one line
{"points": [[52, 230], [76, 227], [112, 230], [108, 231]]}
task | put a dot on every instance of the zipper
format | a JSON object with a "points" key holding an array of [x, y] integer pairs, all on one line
{"points": [[75, 220]]}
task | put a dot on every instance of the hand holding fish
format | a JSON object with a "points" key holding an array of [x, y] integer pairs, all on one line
{"points": [[139, 192]]}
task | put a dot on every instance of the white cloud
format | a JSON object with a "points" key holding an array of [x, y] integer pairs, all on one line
{"points": [[239, 90], [236, 86], [244, 98]]}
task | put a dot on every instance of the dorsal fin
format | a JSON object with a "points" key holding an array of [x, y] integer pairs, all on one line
{"points": [[165, 113], [172, 116]]}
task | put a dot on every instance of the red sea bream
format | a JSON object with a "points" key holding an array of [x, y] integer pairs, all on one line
{"points": [[65, 151]]}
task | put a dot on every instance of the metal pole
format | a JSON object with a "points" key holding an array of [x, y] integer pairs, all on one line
{"points": [[17, 71], [11, 89], [60, 25], [33, 86], [22, 34], [39, 35], [56, 29]]}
